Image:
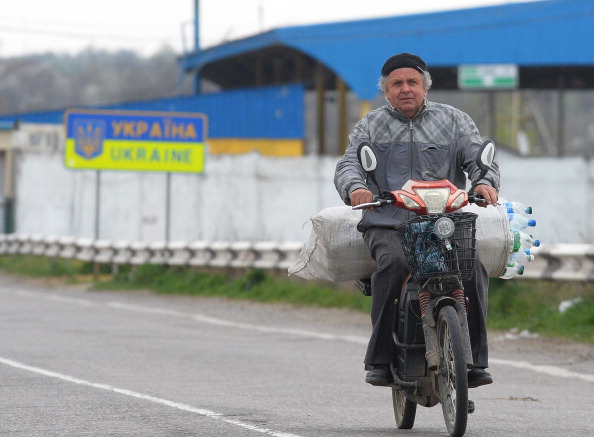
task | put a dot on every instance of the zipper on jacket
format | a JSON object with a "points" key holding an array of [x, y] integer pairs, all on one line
{"points": [[410, 147], [410, 214]]}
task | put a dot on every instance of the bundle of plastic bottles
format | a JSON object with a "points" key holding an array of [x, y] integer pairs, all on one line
{"points": [[522, 241]]}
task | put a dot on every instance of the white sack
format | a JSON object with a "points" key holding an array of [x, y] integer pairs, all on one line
{"points": [[336, 252]]}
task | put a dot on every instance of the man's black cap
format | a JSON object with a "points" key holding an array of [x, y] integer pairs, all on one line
{"points": [[404, 60]]}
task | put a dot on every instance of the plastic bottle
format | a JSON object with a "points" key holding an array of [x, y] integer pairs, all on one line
{"points": [[526, 240], [517, 222], [512, 270], [518, 208], [521, 257], [522, 241]]}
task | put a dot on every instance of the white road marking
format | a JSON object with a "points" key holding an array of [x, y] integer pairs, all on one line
{"points": [[202, 412], [56, 297], [230, 324], [544, 369], [541, 368]]}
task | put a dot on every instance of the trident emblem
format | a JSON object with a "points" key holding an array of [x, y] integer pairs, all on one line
{"points": [[88, 138]]}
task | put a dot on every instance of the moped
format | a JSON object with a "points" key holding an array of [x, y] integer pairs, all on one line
{"points": [[432, 353]]}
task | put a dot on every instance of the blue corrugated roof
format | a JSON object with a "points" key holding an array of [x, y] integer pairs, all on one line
{"points": [[551, 32]]}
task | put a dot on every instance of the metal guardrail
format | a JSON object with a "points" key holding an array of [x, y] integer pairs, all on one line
{"points": [[562, 262], [238, 254]]}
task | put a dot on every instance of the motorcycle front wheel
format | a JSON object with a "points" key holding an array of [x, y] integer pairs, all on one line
{"points": [[453, 373], [404, 409]]}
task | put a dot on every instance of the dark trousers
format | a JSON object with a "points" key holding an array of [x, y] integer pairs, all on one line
{"points": [[386, 284]]}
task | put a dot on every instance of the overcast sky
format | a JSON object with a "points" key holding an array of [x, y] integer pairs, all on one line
{"points": [[68, 26]]}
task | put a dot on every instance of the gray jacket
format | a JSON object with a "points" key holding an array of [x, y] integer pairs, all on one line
{"points": [[441, 142]]}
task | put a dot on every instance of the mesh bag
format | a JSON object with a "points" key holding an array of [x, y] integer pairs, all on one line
{"points": [[429, 256]]}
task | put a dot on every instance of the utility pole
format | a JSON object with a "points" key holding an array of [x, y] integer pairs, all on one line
{"points": [[196, 43]]}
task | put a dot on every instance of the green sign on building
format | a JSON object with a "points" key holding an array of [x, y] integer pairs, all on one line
{"points": [[488, 76]]}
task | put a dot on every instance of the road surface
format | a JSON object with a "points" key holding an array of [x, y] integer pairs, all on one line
{"points": [[76, 362]]}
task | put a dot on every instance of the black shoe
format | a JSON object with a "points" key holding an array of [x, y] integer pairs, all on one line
{"points": [[379, 375], [478, 377]]}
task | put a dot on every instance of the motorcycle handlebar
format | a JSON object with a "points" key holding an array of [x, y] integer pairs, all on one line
{"points": [[379, 201], [382, 201], [475, 198]]}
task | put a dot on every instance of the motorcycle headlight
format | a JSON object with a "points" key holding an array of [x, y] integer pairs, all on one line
{"points": [[436, 199], [458, 201], [409, 202]]}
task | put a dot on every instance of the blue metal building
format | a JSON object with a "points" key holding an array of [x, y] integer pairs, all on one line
{"points": [[549, 40]]}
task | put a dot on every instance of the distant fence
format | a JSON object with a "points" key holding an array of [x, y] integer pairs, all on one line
{"points": [[561, 262]]}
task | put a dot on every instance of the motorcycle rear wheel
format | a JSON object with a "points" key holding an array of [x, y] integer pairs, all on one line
{"points": [[453, 373], [405, 410]]}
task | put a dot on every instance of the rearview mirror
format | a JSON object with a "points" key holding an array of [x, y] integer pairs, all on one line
{"points": [[485, 156], [368, 160], [366, 157], [484, 160]]}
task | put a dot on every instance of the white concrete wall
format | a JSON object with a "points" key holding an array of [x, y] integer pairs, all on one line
{"points": [[254, 198], [561, 192], [244, 197]]}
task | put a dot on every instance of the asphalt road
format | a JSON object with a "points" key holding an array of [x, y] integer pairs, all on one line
{"points": [[75, 362]]}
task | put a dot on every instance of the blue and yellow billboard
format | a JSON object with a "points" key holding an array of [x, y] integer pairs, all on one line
{"points": [[135, 140]]}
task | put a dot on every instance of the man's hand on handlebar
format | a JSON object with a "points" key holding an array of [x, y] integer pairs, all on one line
{"points": [[488, 193], [360, 195]]}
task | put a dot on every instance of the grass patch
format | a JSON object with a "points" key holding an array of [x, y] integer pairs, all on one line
{"points": [[534, 305], [38, 266], [520, 304], [255, 285]]}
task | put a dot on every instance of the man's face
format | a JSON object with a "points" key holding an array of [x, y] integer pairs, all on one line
{"points": [[405, 90]]}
